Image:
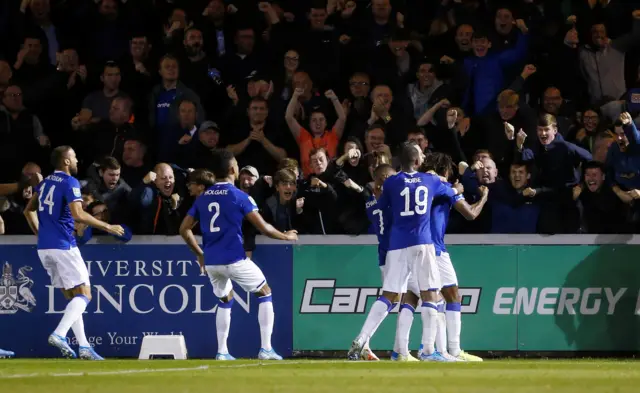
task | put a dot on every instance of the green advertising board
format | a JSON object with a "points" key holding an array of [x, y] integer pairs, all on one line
{"points": [[529, 298]]}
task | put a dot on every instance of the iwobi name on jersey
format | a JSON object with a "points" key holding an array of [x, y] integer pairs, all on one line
{"points": [[220, 211], [409, 196]]}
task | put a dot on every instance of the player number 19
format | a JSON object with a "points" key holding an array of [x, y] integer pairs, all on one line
{"points": [[215, 208], [421, 197]]}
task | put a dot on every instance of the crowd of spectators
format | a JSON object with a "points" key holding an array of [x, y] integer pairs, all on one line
{"points": [[535, 99]]}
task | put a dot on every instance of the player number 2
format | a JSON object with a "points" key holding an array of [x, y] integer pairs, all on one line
{"points": [[421, 201], [379, 213], [215, 208], [48, 200]]}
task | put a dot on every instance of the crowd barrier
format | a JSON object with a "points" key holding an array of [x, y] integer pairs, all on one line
{"points": [[520, 293]]}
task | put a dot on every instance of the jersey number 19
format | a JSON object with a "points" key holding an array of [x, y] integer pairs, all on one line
{"points": [[420, 197]]}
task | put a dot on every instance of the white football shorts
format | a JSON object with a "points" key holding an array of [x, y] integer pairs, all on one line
{"points": [[448, 275], [65, 267], [244, 273], [413, 268]]}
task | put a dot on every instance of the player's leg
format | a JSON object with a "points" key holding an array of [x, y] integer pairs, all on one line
{"points": [[367, 353], [223, 290], [441, 329], [405, 320], [453, 308], [395, 282], [75, 277], [429, 283], [249, 276]]}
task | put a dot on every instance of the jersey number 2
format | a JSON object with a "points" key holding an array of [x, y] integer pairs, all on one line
{"points": [[215, 208], [421, 198], [48, 200]]}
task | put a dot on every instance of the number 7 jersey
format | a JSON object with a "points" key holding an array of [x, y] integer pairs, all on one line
{"points": [[410, 196], [220, 211]]}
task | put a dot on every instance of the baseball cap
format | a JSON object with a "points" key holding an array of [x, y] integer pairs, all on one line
{"points": [[209, 125], [252, 170]]}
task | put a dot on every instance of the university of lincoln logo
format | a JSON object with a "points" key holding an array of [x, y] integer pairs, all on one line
{"points": [[15, 293]]}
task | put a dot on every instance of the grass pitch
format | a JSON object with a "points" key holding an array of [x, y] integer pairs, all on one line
{"points": [[124, 376]]}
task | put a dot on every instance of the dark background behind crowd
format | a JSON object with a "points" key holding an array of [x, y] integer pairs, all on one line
{"points": [[535, 99]]}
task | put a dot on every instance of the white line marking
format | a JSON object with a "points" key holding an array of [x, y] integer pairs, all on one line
{"points": [[161, 370]]}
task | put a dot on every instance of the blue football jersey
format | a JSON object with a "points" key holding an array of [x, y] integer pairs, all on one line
{"points": [[440, 218], [409, 196], [381, 222], [220, 211], [55, 193]]}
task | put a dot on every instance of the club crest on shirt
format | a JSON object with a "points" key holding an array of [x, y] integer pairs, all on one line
{"points": [[76, 192], [15, 292]]}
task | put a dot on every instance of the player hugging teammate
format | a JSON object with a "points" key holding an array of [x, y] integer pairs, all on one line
{"points": [[413, 209]]}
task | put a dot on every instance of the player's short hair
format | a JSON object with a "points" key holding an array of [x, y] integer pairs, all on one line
{"points": [[221, 163], [59, 154], [109, 163], [288, 163], [201, 177], [408, 155], [284, 175], [547, 119], [382, 168], [440, 163]]}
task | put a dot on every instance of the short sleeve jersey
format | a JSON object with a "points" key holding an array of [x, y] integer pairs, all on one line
{"points": [[381, 222], [55, 193], [409, 195], [220, 211], [440, 218]]}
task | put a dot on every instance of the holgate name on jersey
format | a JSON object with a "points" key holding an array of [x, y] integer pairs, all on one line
{"points": [[216, 192]]}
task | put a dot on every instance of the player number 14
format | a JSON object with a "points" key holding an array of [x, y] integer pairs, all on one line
{"points": [[48, 200], [421, 197]]}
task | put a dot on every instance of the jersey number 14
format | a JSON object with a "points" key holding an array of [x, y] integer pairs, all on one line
{"points": [[48, 200]]}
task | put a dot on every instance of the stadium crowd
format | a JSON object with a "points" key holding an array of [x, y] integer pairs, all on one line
{"points": [[535, 99]]}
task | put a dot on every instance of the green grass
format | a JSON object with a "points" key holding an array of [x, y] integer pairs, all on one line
{"points": [[302, 376]]}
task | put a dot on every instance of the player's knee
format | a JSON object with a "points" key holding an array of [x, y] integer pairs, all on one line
{"points": [[451, 294], [264, 291], [429, 296], [227, 299], [411, 299], [391, 297]]}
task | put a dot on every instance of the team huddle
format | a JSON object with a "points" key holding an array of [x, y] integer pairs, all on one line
{"points": [[409, 213]]}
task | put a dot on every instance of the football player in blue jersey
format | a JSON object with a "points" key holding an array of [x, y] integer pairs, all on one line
{"points": [[381, 221], [220, 211], [409, 195], [442, 165], [51, 212]]}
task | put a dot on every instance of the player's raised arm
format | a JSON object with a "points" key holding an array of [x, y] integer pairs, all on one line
{"points": [[268, 230], [83, 217], [471, 212]]}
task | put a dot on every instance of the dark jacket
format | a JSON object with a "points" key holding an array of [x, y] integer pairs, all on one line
{"points": [[153, 214]]}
